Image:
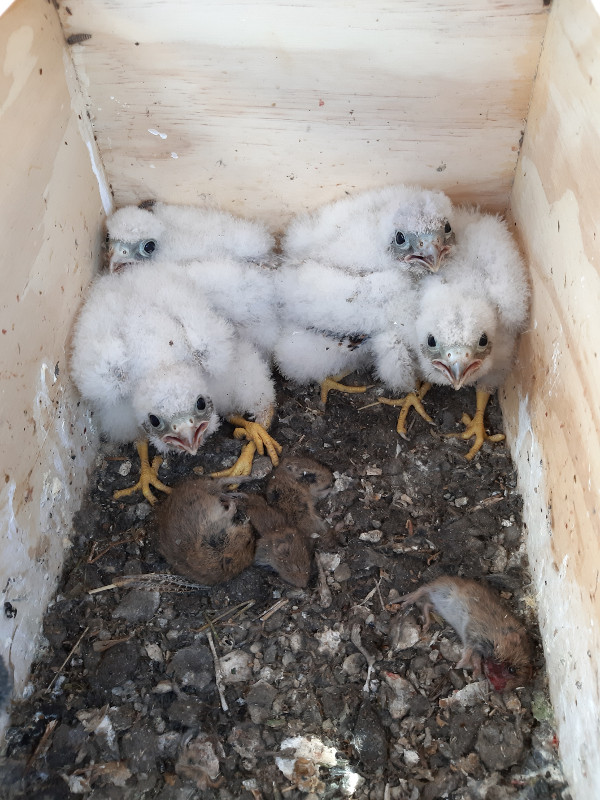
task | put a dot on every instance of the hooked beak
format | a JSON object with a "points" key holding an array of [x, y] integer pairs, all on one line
{"points": [[430, 255], [188, 436], [458, 365], [119, 256]]}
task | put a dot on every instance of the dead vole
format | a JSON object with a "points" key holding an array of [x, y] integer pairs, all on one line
{"points": [[198, 536], [293, 489], [491, 636], [279, 545], [286, 522]]}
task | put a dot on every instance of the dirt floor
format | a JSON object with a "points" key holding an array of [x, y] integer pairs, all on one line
{"points": [[330, 691]]}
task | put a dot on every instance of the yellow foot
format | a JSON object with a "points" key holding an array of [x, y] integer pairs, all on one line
{"points": [[257, 433], [412, 400], [333, 382], [243, 466], [148, 476], [475, 427]]}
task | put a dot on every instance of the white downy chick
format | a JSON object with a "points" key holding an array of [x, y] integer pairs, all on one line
{"points": [[405, 227], [346, 285], [153, 359], [471, 315], [332, 321], [172, 233], [228, 252]]}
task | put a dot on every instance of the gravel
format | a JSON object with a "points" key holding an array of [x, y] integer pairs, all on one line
{"points": [[327, 692]]}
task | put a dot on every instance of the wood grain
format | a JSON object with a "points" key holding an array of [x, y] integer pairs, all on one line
{"points": [[51, 215], [552, 408], [271, 107]]}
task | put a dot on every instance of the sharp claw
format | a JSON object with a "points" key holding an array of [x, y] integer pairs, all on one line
{"points": [[256, 433], [273, 449], [243, 465], [474, 427], [411, 400], [148, 477]]}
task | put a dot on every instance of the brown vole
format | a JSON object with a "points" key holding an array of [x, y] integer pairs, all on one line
{"points": [[201, 539], [293, 489], [491, 636], [279, 545], [198, 536], [287, 522]]}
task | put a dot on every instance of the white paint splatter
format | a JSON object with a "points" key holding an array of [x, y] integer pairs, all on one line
{"points": [[105, 194], [154, 132], [8, 522], [562, 572], [19, 63]]}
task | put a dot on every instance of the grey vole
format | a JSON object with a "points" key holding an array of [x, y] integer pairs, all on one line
{"points": [[492, 638]]}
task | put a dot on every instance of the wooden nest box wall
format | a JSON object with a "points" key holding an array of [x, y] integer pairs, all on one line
{"points": [[269, 108]]}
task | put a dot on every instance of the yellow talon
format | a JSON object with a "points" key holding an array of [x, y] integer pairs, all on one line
{"points": [[243, 466], [411, 400], [333, 382], [257, 433], [475, 427], [259, 440], [148, 476]]}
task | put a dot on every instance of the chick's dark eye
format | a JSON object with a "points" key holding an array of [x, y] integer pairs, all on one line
{"points": [[400, 237], [149, 247], [511, 670], [483, 341], [447, 228], [154, 420], [200, 403], [431, 342]]}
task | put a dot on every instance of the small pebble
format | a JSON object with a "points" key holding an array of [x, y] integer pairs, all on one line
{"points": [[342, 573], [372, 536], [138, 605]]}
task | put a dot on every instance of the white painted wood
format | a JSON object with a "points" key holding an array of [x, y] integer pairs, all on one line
{"points": [[270, 107], [50, 217], [552, 408]]}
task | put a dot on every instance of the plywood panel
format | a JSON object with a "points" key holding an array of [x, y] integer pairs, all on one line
{"points": [[553, 405], [50, 218], [270, 107]]}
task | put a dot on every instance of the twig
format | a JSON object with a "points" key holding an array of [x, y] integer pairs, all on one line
{"points": [[275, 607], [489, 501], [103, 646], [91, 559], [62, 666], [241, 609], [325, 598], [366, 599], [44, 742], [377, 586], [370, 405], [218, 672], [356, 641]]}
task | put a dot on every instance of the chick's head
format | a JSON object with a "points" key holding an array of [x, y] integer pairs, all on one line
{"points": [[423, 235], [455, 337], [133, 237], [175, 410]]}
